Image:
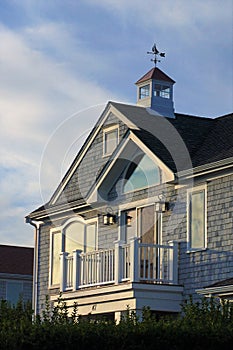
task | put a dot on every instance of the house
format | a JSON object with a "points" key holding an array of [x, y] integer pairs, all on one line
{"points": [[143, 216], [16, 273]]}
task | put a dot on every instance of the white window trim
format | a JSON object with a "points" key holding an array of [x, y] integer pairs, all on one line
{"points": [[52, 231], [142, 85], [106, 130], [61, 229], [189, 192]]}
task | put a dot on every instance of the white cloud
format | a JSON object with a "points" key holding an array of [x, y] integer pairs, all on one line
{"points": [[36, 94]]}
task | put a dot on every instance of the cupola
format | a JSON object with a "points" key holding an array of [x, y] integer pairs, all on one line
{"points": [[155, 89]]}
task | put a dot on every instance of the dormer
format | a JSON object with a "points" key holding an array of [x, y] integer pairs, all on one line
{"points": [[155, 91]]}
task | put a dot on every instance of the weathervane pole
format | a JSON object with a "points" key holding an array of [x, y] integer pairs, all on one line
{"points": [[156, 54]]}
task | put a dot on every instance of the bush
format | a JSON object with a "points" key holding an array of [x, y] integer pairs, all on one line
{"points": [[204, 325]]}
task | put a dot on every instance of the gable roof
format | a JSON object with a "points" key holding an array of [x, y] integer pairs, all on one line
{"points": [[155, 73], [197, 135], [16, 260]]}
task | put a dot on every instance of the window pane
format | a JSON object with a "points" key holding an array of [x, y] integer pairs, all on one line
{"points": [[197, 220], [91, 237], [162, 91], [110, 141], [74, 237], [14, 290], [145, 174], [56, 250], [144, 91]]}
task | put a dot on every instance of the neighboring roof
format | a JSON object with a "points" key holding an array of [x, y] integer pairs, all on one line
{"points": [[155, 73], [16, 260]]}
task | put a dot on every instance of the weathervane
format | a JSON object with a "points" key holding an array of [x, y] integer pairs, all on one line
{"points": [[156, 53]]}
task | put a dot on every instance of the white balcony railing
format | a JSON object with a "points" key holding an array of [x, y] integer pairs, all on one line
{"points": [[135, 262]]}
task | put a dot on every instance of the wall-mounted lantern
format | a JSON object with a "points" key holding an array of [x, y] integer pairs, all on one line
{"points": [[161, 206], [109, 219], [128, 220]]}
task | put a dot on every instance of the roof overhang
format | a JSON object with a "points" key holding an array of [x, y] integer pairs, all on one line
{"points": [[222, 292]]}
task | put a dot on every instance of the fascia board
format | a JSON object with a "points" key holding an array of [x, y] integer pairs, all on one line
{"points": [[216, 290], [206, 168]]}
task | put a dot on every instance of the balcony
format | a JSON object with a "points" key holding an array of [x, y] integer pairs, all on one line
{"points": [[133, 262]]}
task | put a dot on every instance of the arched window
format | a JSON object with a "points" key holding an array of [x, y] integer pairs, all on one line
{"points": [[75, 234], [141, 173]]}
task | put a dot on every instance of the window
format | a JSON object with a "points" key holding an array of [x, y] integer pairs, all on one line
{"points": [[13, 291], [144, 91], [162, 91], [56, 244], [197, 219], [141, 173], [110, 140], [72, 236]]}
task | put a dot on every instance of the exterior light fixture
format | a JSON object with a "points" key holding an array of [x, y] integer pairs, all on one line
{"points": [[109, 219], [128, 220], [161, 206]]}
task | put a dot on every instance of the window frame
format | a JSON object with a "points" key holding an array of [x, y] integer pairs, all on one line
{"points": [[161, 91], [147, 89], [61, 229], [190, 192], [106, 131]]}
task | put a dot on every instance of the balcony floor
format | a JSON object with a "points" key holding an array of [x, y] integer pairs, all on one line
{"points": [[116, 298]]}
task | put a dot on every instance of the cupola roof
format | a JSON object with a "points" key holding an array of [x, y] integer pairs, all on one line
{"points": [[157, 74]]}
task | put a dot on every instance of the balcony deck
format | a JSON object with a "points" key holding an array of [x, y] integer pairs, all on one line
{"points": [[134, 262], [128, 275]]}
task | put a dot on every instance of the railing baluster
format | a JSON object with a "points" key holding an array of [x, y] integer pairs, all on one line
{"points": [[135, 261]]}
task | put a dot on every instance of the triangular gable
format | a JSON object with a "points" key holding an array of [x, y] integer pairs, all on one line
{"points": [[109, 109], [119, 160]]}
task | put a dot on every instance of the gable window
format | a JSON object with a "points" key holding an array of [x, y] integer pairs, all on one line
{"points": [[197, 219], [74, 235], [110, 139], [141, 173], [144, 91], [162, 91]]}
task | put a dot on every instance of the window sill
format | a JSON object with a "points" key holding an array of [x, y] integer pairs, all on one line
{"points": [[106, 155], [54, 286], [196, 250]]}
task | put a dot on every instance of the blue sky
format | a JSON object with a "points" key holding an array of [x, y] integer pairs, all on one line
{"points": [[61, 61]]}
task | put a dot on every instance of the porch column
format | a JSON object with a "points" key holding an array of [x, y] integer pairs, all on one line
{"points": [[173, 262], [76, 269], [63, 269], [118, 261], [134, 260]]}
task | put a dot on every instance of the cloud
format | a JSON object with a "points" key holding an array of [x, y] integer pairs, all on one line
{"points": [[38, 91]]}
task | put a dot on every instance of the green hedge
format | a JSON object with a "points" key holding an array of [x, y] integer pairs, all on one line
{"points": [[206, 325]]}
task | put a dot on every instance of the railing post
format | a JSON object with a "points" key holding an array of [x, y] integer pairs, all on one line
{"points": [[173, 262], [118, 261], [134, 261], [63, 279], [76, 268]]}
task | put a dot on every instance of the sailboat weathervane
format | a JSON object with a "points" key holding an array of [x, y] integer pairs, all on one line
{"points": [[156, 54]]}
